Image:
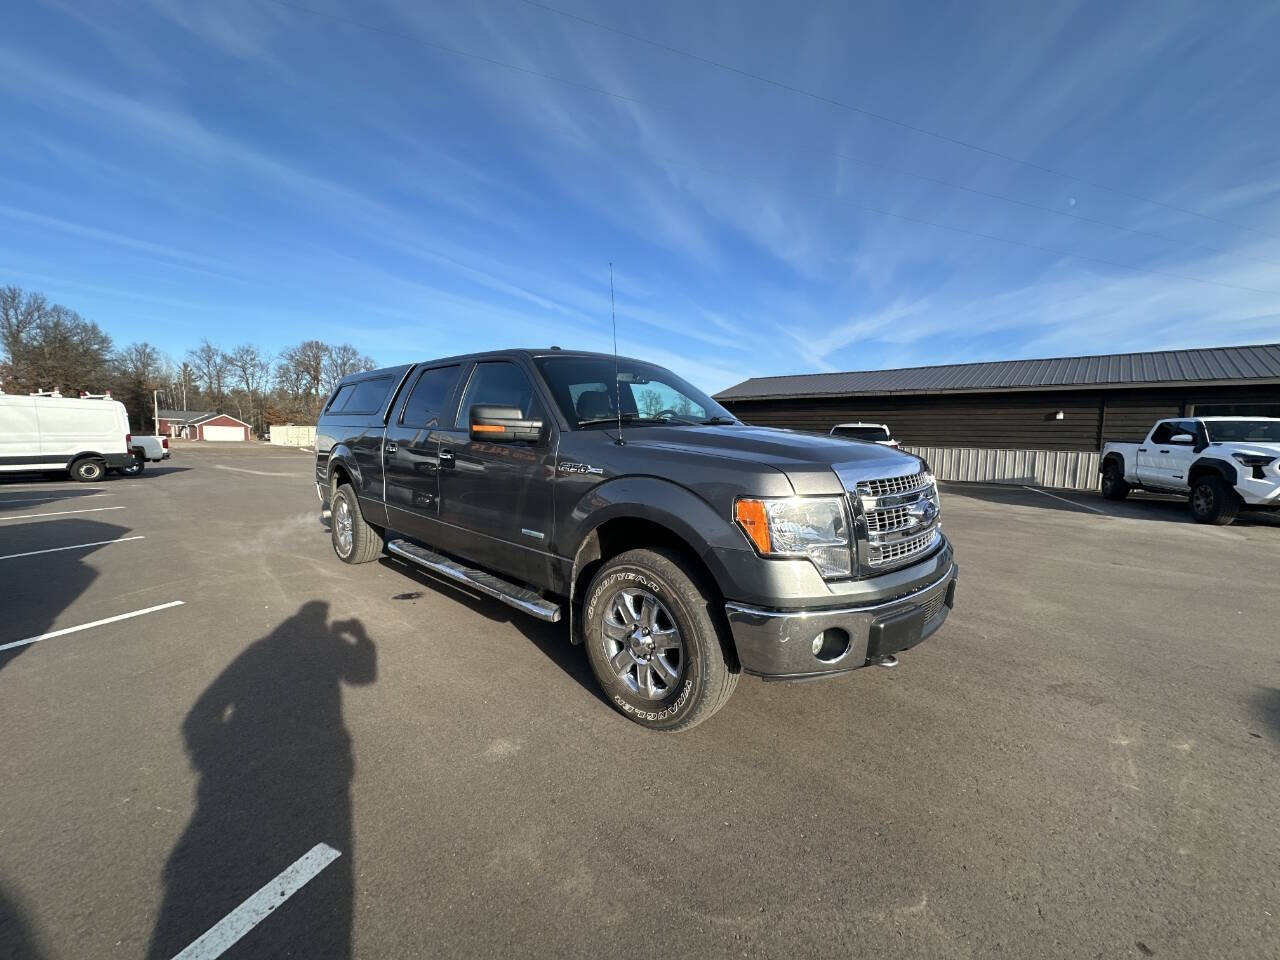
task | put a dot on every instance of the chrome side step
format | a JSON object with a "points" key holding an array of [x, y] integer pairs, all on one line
{"points": [[522, 598]]}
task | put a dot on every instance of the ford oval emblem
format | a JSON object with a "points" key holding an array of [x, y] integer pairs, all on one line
{"points": [[922, 513]]}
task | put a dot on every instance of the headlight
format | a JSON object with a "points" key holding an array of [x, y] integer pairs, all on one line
{"points": [[1252, 459], [812, 527]]}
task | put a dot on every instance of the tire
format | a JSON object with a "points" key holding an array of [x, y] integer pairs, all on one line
{"points": [[1114, 486], [134, 468], [645, 593], [354, 540], [88, 470], [1212, 501]]}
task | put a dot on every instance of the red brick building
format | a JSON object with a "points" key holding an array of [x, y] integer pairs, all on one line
{"points": [[197, 425]]}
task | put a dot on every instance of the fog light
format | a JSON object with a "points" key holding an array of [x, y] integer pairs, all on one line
{"points": [[830, 645]]}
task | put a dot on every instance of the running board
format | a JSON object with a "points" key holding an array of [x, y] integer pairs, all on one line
{"points": [[522, 598]]}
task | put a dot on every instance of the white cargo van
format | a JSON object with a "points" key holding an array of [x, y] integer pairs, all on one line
{"points": [[86, 437]]}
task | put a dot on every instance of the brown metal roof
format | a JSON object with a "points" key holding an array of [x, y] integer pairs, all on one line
{"points": [[1260, 362]]}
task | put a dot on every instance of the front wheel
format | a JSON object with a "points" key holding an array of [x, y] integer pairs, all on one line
{"points": [[1213, 502], [354, 540], [653, 641], [88, 470]]}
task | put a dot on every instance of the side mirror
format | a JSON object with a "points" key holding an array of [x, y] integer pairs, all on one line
{"points": [[502, 424], [1183, 439]]}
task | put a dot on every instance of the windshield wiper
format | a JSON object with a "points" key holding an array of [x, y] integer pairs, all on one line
{"points": [[717, 420]]}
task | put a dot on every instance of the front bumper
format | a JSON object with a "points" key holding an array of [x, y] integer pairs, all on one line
{"points": [[778, 644]]}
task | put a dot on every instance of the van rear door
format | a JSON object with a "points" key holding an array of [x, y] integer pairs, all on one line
{"points": [[19, 432]]}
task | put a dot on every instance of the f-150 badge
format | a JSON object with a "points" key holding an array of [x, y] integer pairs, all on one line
{"points": [[579, 468]]}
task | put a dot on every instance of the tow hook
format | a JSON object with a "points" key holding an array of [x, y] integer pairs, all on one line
{"points": [[887, 660]]}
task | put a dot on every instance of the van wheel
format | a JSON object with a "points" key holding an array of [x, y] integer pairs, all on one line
{"points": [[653, 641], [1114, 486], [354, 541], [88, 470], [1212, 501]]}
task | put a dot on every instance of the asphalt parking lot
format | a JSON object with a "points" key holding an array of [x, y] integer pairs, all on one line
{"points": [[1082, 763]]}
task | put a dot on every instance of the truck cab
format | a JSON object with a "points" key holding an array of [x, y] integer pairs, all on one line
{"points": [[683, 546]]}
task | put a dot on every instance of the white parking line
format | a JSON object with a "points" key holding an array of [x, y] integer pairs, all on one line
{"points": [[34, 499], [256, 473], [60, 513], [78, 546], [1065, 500], [223, 935], [86, 626]]}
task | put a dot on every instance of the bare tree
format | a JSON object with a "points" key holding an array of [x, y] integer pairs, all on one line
{"points": [[306, 363], [251, 371], [210, 366], [47, 346], [139, 368], [343, 360]]}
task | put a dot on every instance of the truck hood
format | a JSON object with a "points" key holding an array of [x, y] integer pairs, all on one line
{"points": [[813, 464]]}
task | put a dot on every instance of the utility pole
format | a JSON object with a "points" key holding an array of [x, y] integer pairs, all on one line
{"points": [[155, 409]]}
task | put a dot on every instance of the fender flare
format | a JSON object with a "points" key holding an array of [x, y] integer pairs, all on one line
{"points": [[341, 456], [1212, 465], [1114, 456]]}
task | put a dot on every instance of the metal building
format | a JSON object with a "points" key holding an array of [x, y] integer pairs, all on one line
{"points": [[1022, 421]]}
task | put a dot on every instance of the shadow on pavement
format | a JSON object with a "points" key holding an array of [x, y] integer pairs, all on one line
{"points": [[35, 590], [17, 940], [275, 765], [1266, 707], [552, 639], [48, 499]]}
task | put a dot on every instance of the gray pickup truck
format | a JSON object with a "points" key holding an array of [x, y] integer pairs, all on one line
{"points": [[683, 547]]}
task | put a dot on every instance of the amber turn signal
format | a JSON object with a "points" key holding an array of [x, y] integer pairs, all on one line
{"points": [[753, 518], [488, 428]]}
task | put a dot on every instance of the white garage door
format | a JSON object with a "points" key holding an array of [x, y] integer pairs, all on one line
{"points": [[224, 433]]}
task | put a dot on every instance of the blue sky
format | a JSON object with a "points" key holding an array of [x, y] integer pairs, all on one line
{"points": [[250, 170]]}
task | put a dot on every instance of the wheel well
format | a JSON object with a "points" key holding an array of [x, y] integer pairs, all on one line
{"points": [[627, 533], [1200, 470], [338, 475], [1115, 458]]}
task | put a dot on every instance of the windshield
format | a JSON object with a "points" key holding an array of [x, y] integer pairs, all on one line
{"points": [[587, 393], [1235, 431], [861, 433]]}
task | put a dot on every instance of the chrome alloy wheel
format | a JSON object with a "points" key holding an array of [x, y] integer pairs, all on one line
{"points": [[642, 643], [343, 527]]}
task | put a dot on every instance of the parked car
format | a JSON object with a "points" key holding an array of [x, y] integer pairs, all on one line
{"points": [[1221, 464], [85, 437], [683, 546], [144, 449], [870, 432]]}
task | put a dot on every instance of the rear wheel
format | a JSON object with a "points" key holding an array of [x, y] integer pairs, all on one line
{"points": [[1114, 486], [653, 641], [134, 467], [88, 470], [1212, 501], [354, 540]]}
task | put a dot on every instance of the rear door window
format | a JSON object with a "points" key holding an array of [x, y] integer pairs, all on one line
{"points": [[430, 397]]}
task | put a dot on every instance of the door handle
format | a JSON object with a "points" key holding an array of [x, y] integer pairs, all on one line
{"points": [[446, 458], [1142, 449], [392, 448], [1164, 451]]}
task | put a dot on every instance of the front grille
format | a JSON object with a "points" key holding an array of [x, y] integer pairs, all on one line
{"points": [[933, 606], [880, 488], [898, 520]]}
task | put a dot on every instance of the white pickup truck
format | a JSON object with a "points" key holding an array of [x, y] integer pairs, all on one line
{"points": [[1221, 464], [143, 449]]}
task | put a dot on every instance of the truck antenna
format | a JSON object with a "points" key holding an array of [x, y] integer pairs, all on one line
{"points": [[617, 385]]}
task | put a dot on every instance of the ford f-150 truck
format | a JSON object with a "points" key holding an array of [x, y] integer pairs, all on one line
{"points": [[682, 546], [1221, 464]]}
